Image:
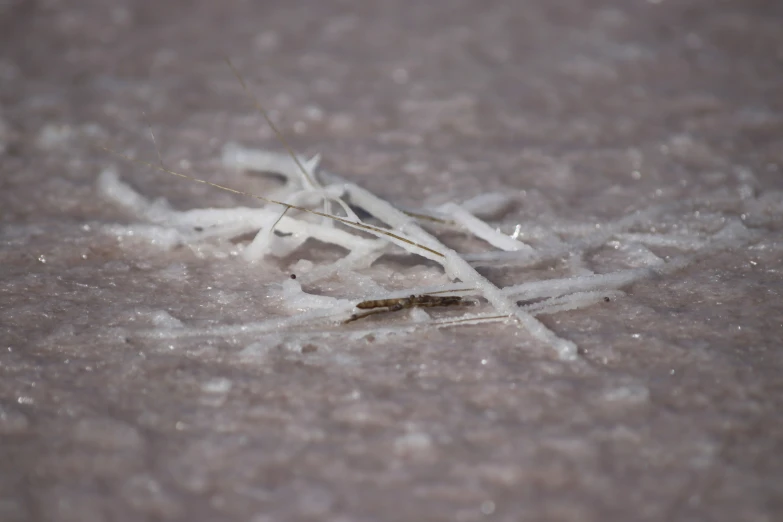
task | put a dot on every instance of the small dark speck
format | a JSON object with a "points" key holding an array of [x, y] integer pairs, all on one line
{"points": [[198, 229], [607, 299], [293, 276], [309, 348]]}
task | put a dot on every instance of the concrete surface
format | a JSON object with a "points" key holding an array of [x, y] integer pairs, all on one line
{"points": [[593, 108]]}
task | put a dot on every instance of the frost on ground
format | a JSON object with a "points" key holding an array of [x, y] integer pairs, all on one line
{"points": [[314, 204]]}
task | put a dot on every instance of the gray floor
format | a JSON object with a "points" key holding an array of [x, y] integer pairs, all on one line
{"points": [[587, 110]]}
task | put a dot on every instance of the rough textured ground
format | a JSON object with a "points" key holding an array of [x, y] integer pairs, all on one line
{"points": [[594, 108]]}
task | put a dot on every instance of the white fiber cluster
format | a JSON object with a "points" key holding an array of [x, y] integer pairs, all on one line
{"points": [[322, 206]]}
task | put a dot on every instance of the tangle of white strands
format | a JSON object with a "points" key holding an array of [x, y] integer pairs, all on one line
{"points": [[307, 189], [454, 265]]}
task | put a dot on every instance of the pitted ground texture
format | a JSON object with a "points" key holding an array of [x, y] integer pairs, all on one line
{"points": [[582, 112]]}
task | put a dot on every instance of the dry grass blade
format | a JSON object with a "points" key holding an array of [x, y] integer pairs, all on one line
{"points": [[261, 110]]}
